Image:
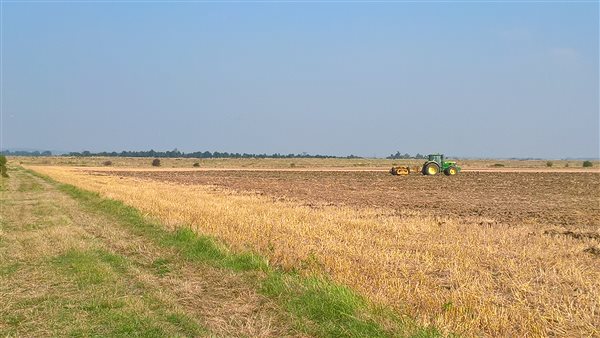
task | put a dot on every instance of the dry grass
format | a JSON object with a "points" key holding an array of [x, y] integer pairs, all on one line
{"points": [[501, 280]]}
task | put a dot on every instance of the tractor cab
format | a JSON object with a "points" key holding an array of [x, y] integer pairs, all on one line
{"points": [[438, 158]]}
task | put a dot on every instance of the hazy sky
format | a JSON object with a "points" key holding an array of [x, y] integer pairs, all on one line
{"points": [[472, 79]]}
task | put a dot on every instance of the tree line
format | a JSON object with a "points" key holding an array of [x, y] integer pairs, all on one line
{"points": [[197, 154], [399, 155], [26, 153]]}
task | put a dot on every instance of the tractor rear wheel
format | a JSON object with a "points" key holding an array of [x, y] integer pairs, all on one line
{"points": [[451, 171], [431, 169]]}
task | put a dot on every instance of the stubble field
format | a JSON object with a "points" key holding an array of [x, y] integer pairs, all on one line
{"points": [[482, 253]]}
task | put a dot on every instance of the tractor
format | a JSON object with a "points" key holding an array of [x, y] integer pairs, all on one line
{"points": [[434, 164]]}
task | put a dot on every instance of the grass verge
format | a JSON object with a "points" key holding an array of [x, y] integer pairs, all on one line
{"points": [[318, 306], [57, 279]]}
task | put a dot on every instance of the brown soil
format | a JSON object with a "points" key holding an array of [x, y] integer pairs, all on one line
{"points": [[578, 235], [592, 250], [345, 169], [558, 198]]}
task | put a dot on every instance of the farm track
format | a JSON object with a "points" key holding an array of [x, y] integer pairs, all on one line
{"points": [[146, 290], [564, 199]]}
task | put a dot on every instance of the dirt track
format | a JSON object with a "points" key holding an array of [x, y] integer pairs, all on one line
{"points": [[549, 198]]}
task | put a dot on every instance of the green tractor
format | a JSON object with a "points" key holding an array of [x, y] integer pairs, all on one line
{"points": [[436, 163]]}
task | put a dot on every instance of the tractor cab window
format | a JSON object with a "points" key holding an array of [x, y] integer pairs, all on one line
{"points": [[435, 158]]}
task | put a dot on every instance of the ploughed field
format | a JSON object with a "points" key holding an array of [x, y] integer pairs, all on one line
{"points": [[570, 200]]}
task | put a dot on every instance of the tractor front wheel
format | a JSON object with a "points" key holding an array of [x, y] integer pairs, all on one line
{"points": [[451, 171], [431, 169]]}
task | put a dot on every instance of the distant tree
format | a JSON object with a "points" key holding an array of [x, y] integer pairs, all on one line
{"points": [[3, 170], [156, 162], [394, 156], [549, 164], [587, 164], [398, 155]]}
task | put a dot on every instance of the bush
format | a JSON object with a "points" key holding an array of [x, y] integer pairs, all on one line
{"points": [[498, 165], [587, 164], [292, 165], [549, 164], [3, 170], [196, 164], [107, 163], [567, 165], [156, 162]]}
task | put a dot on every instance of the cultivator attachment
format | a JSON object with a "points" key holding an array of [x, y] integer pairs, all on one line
{"points": [[404, 170]]}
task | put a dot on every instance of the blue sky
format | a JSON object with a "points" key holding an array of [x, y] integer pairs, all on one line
{"points": [[471, 79]]}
